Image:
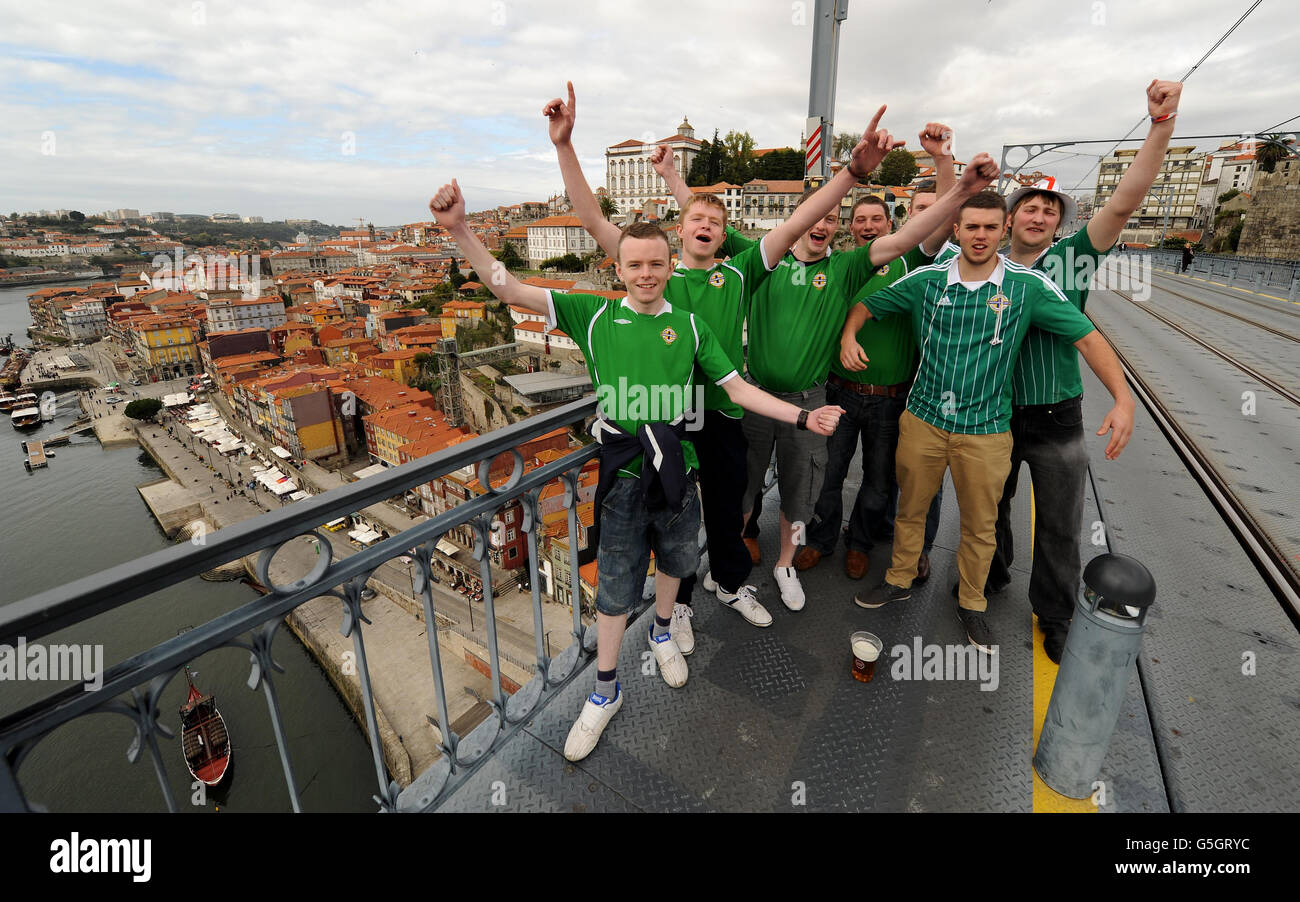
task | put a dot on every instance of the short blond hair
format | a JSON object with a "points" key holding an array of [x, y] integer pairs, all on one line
{"points": [[709, 200]]}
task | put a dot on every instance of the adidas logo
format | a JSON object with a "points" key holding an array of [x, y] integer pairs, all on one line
{"points": [[944, 302]]}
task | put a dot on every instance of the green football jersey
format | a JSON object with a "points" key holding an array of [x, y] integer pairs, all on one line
{"points": [[888, 343], [970, 336], [642, 366], [719, 296], [1047, 370], [796, 315]]}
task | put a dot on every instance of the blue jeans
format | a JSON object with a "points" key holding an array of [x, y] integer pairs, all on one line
{"points": [[873, 420], [628, 533]]}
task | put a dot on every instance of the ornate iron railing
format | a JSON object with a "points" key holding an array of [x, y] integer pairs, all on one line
{"points": [[133, 687]]}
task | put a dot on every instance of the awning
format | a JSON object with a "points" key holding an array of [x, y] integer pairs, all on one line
{"points": [[280, 452], [446, 547], [371, 470], [339, 522], [298, 496], [364, 536]]}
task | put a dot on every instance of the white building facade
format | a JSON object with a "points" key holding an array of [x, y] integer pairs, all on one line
{"points": [[631, 180]]}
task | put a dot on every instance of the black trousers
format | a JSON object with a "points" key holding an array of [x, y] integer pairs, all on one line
{"points": [[722, 451], [1049, 437]]}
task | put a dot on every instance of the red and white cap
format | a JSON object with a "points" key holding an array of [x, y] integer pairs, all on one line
{"points": [[1047, 184]]}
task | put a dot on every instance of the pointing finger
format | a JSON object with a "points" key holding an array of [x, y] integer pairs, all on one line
{"points": [[573, 103], [875, 120]]}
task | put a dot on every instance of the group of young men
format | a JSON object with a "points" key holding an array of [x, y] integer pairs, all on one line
{"points": [[926, 344]]}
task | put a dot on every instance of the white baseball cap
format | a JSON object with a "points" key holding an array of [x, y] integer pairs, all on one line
{"points": [[1069, 209]]}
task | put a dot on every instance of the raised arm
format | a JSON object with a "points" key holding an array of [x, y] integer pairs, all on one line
{"points": [[1162, 103], [562, 117], [979, 174], [866, 156], [662, 160], [1102, 360], [448, 207], [936, 139]]}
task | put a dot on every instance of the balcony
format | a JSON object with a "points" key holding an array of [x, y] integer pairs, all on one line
{"points": [[770, 719]]}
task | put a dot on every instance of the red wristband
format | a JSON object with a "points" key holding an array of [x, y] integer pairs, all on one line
{"points": [[1165, 118]]}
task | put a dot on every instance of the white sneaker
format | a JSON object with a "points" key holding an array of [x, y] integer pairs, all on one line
{"points": [[709, 584], [791, 589], [672, 666], [585, 733], [680, 628], [746, 604]]}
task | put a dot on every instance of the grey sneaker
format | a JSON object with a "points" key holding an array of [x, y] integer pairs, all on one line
{"points": [[977, 630], [882, 594]]}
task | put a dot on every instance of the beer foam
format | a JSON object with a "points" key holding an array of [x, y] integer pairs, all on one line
{"points": [[865, 650]]}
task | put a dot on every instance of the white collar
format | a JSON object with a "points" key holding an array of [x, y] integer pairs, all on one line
{"points": [[954, 273], [666, 308]]}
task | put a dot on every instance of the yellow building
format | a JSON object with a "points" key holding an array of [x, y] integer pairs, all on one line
{"points": [[166, 345], [469, 313], [398, 366]]}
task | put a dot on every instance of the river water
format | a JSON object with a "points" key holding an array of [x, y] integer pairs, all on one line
{"points": [[82, 515]]}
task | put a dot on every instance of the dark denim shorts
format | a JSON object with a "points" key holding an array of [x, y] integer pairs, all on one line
{"points": [[629, 532]]}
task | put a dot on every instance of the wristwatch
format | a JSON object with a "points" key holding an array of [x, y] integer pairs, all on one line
{"points": [[803, 420]]}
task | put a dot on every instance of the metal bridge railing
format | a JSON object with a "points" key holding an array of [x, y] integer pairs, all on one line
{"points": [[133, 687], [1247, 272]]}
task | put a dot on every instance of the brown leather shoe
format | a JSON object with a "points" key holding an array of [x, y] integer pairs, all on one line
{"points": [[922, 568], [856, 563], [807, 558], [754, 554]]}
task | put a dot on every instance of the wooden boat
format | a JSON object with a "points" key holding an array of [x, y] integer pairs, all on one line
{"points": [[203, 736]]}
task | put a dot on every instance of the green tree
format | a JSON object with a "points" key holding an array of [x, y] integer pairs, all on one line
{"points": [[77, 216], [1225, 197], [737, 157], [607, 206], [509, 256], [897, 168], [900, 211], [779, 164], [843, 145], [143, 409], [1271, 151], [454, 275], [565, 263], [707, 167]]}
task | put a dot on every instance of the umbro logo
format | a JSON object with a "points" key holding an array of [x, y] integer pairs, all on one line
{"points": [[623, 322]]}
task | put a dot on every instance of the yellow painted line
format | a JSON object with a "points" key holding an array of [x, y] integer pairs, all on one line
{"points": [[1046, 800]]}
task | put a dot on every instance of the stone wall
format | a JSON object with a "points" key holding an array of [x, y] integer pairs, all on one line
{"points": [[1272, 227]]}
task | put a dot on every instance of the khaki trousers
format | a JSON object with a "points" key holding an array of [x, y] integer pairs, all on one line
{"points": [[979, 464]]}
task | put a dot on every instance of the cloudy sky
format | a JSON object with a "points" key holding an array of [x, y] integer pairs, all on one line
{"points": [[336, 111]]}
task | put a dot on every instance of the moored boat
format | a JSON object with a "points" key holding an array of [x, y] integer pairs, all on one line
{"points": [[25, 417], [204, 738]]}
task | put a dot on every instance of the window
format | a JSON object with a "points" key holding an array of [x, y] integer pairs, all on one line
{"points": [[510, 535]]}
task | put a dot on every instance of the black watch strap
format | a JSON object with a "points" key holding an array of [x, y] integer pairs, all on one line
{"points": [[803, 420]]}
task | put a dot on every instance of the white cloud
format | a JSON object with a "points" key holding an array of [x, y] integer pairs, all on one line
{"points": [[245, 109]]}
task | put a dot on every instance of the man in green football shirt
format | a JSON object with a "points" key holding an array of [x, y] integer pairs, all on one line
{"points": [[970, 318], [639, 349], [719, 293], [1047, 390], [794, 327], [873, 399]]}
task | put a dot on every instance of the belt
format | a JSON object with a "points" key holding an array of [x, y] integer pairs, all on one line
{"points": [[864, 388]]}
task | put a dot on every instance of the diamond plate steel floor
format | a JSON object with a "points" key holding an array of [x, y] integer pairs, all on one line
{"points": [[771, 720]]}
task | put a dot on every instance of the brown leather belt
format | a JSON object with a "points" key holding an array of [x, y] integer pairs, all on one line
{"points": [[864, 388]]}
